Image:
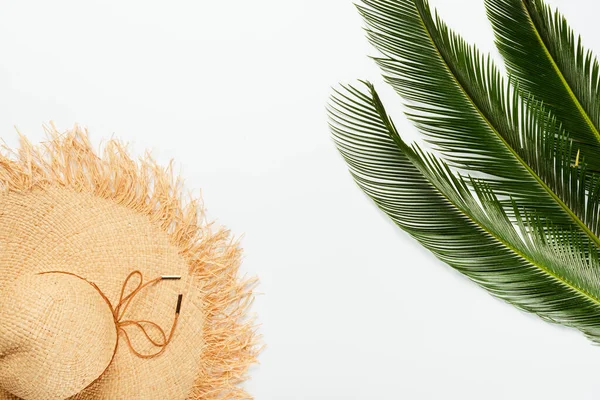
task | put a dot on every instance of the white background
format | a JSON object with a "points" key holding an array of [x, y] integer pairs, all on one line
{"points": [[235, 92]]}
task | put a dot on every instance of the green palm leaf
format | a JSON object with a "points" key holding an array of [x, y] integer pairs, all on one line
{"points": [[459, 101], [531, 270], [525, 224], [543, 54]]}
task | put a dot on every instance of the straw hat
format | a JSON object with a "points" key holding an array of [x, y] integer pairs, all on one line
{"points": [[110, 286]]}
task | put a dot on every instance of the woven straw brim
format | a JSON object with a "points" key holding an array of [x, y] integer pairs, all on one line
{"points": [[63, 207]]}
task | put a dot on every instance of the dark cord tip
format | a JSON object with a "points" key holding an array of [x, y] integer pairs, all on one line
{"points": [[170, 277], [179, 299]]}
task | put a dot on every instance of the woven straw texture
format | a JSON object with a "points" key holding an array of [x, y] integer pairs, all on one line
{"points": [[43, 336], [65, 208]]}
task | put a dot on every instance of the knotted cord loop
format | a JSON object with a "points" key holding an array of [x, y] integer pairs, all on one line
{"points": [[119, 311]]}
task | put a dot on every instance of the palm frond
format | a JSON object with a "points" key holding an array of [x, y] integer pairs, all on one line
{"points": [[539, 270], [459, 101], [543, 54]]}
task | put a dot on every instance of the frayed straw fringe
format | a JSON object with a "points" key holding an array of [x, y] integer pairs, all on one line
{"points": [[67, 160]]}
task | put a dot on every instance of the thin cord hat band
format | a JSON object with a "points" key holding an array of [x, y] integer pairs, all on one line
{"points": [[119, 311]]}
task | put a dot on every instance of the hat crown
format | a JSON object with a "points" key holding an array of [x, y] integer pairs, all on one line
{"points": [[57, 336]]}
